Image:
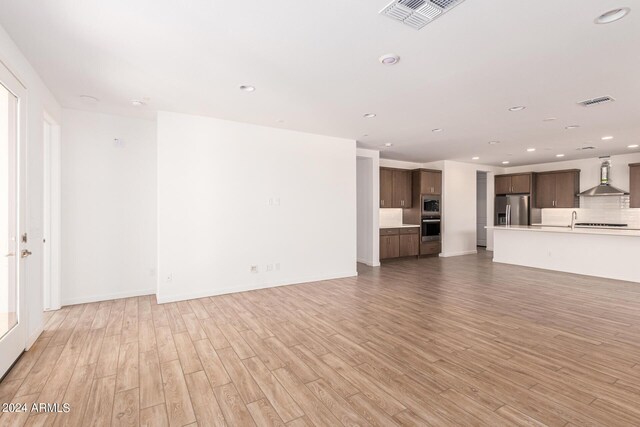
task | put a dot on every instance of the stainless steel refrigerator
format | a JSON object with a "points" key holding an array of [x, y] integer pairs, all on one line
{"points": [[512, 210]]}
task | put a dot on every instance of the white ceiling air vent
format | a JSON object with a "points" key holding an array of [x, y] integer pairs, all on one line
{"points": [[418, 13], [596, 101]]}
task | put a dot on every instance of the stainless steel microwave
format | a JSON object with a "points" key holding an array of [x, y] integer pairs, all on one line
{"points": [[430, 205]]}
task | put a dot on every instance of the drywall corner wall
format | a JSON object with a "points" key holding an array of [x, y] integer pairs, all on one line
{"points": [[234, 195], [109, 206], [368, 194], [39, 101], [459, 207]]}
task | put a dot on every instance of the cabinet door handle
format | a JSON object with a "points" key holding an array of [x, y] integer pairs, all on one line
{"points": [[382, 202]]}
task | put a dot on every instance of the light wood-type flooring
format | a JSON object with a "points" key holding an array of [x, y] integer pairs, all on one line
{"points": [[456, 341]]}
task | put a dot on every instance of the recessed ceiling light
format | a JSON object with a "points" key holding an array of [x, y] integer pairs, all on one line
{"points": [[549, 119], [365, 135], [518, 108], [475, 158], [388, 144], [570, 127], [437, 130], [606, 138], [494, 142], [137, 103], [247, 88], [612, 15], [632, 146], [89, 100], [369, 116], [559, 155], [531, 150], [506, 162], [389, 59]]}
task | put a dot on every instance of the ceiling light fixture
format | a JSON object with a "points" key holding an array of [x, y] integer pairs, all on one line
{"points": [[531, 150], [369, 116], [612, 15], [475, 158], [632, 146], [549, 119], [606, 138], [494, 142], [506, 162], [570, 127], [137, 103], [247, 88], [437, 130], [388, 144], [518, 108], [89, 100], [389, 59], [559, 155]]}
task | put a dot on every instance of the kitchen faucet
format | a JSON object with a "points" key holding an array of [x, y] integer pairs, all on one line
{"points": [[574, 217]]}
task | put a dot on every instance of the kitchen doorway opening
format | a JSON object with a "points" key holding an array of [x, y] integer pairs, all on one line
{"points": [[481, 209], [51, 215]]}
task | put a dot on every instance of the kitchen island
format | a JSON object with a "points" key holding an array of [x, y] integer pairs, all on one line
{"points": [[601, 252]]}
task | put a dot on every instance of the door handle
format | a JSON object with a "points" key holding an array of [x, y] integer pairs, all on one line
{"points": [[25, 253]]}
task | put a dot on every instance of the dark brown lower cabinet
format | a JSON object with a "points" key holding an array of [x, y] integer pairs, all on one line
{"points": [[389, 247], [399, 242], [430, 248]]}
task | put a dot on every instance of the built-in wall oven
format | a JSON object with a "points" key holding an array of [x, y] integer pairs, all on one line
{"points": [[430, 206], [430, 229]]}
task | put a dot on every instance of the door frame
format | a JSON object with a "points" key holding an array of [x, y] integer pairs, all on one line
{"points": [[15, 341], [51, 216]]}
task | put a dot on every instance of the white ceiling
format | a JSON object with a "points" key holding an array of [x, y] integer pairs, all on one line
{"points": [[315, 66]]}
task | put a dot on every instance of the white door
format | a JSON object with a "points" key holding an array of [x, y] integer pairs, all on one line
{"points": [[13, 252]]}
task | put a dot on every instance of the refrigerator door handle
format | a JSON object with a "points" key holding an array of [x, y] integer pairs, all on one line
{"points": [[508, 214]]}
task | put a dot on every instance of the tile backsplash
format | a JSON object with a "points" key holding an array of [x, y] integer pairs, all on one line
{"points": [[562, 217], [605, 202], [390, 217]]}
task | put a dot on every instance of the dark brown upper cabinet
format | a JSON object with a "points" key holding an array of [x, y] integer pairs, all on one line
{"points": [[430, 182], [395, 188], [557, 189], [513, 184], [634, 185]]}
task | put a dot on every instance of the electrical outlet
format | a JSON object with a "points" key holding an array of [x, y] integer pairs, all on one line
{"points": [[277, 266], [269, 267], [254, 268], [169, 277]]}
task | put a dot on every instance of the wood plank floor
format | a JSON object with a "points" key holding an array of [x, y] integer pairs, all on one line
{"points": [[456, 341]]}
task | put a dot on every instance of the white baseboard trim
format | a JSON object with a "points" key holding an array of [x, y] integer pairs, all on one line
{"points": [[450, 254], [251, 287], [32, 339], [368, 262], [107, 297]]}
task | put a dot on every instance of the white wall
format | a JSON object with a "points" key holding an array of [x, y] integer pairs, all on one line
{"points": [[234, 195], [590, 170], [368, 195], [39, 100], [459, 206], [108, 205]]}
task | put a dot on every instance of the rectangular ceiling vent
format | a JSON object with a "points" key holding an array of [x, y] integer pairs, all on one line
{"points": [[596, 101], [586, 148], [418, 13]]}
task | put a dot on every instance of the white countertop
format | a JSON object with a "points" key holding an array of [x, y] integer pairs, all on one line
{"points": [[568, 230], [400, 226]]}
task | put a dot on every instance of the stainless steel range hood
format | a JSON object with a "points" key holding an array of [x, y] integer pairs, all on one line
{"points": [[604, 189]]}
